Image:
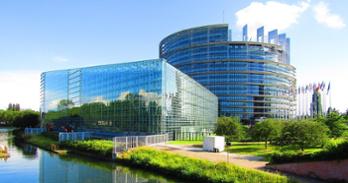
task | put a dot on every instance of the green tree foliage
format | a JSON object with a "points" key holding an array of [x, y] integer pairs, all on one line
{"points": [[231, 128], [304, 133], [20, 119], [336, 123], [267, 130]]}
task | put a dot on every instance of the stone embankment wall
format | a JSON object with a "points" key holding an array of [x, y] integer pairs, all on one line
{"points": [[325, 170]]}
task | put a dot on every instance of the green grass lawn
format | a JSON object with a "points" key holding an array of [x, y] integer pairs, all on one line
{"points": [[258, 149], [250, 148]]}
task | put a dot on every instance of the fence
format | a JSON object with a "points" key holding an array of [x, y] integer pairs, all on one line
{"points": [[190, 135], [34, 131], [64, 136], [122, 144]]}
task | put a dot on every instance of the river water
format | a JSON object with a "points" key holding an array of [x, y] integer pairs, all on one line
{"points": [[28, 164]]}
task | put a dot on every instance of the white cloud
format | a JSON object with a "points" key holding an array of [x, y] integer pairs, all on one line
{"points": [[271, 14], [21, 87], [323, 15], [59, 59]]}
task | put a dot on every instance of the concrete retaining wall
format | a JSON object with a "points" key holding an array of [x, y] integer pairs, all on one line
{"points": [[325, 170]]}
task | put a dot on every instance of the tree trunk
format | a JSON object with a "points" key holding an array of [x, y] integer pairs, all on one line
{"points": [[266, 144]]}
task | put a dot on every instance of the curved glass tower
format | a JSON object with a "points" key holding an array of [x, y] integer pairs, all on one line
{"points": [[252, 79]]}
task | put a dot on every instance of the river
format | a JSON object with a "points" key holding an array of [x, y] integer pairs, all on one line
{"points": [[29, 164]]}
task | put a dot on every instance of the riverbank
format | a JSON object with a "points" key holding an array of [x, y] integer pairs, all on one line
{"points": [[164, 162]]}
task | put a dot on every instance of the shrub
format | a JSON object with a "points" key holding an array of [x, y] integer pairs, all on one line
{"points": [[100, 147], [196, 169]]}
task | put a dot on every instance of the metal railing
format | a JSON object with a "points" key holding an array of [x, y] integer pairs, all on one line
{"points": [[65, 136], [125, 143], [34, 131], [190, 135]]}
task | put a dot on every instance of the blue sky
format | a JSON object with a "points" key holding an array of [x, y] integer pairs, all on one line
{"points": [[38, 35]]}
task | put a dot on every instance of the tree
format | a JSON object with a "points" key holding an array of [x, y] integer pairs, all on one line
{"points": [[304, 133], [230, 127], [345, 116], [336, 124], [267, 130], [26, 118]]}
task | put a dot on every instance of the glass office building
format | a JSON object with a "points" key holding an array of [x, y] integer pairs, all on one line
{"points": [[252, 79], [145, 97]]}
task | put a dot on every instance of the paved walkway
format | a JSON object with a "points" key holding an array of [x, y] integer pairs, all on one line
{"points": [[195, 152]]}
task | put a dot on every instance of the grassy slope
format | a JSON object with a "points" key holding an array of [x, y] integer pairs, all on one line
{"points": [[41, 141], [99, 147], [197, 169]]}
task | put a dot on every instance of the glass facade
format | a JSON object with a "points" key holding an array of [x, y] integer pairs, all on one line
{"points": [[251, 79], [145, 97]]}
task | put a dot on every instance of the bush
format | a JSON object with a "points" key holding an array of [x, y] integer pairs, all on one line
{"points": [[196, 169], [332, 151], [100, 147]]}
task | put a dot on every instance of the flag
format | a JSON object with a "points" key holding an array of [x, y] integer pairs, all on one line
{"points": [[328, 88], [318, 87], [322, 86], [314, 86]]}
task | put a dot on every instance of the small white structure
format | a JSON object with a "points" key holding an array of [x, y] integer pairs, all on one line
{"points": [[214, 143]]}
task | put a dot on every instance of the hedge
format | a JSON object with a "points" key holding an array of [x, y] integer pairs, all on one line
{"points": [[98, 147]]}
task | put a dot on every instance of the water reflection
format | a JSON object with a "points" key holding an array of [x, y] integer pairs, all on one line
{"points": [[29, 164], [76, 170]]}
